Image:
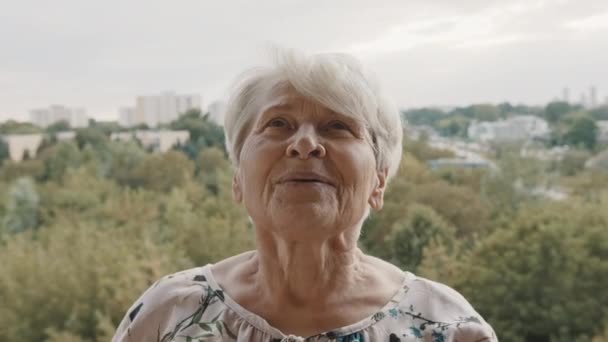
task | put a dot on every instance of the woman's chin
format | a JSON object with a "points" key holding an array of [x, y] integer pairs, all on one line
{"points": [[305, 221]]}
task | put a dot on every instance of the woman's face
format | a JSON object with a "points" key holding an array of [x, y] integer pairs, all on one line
{"points": [[306, 172]]}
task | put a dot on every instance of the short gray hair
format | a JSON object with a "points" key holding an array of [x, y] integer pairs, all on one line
{"points": [[336, 81]]}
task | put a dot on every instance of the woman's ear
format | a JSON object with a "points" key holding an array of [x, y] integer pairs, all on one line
{"points": [[376, 198], [237, 191]]}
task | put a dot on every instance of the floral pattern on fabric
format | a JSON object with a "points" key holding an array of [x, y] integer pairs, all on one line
{"points": [[189, 306]]}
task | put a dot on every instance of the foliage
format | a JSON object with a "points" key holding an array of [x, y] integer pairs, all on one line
{"points": [[530, 264], [94, 136], [422, 151], [59, 126], [162, 172], [57, 159], [423, 116], [4, 152], [15, 127], [599, 113], [203, 132], [582, 132], [22, 209], [573, 162], [555, 111], [410, 236], [89, 224]]}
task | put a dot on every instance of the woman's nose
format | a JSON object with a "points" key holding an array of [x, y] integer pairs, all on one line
{"points": [[305, 143]]}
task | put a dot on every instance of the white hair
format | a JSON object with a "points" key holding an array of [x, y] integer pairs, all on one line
{"points": [[336, 81]]}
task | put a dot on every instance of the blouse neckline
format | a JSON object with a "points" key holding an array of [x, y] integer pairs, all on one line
{"points": [[263, 325]]}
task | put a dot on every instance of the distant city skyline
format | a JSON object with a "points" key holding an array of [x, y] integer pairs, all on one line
{"points": [[100, 56]]}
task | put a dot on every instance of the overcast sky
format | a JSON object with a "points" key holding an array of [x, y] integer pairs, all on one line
{"points": [[100, 55]]}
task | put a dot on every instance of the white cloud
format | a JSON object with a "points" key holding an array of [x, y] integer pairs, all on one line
{"points": [[102, 54], [595, 22]]}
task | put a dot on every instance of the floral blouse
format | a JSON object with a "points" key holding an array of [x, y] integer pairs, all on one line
{"points": [[190, 306]]}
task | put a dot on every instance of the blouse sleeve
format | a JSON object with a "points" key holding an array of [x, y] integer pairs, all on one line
{"points": [[156, 311], [459, 319]]}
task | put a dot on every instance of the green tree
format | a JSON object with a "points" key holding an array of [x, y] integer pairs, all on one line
{"points": [[410, 236], [599, 113], [15, 127], [485, 112], [4, 152], [11, 170], [203, 132], [573, 162], [59, 126], [94, 136], [59, 158], [582, 132], [22, 209], [162, 172], [211, 163], [555, 111], [541, 266], [123, 160], [423, 116], [453, 125]]}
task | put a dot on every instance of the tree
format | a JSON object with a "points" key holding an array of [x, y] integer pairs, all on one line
{"points": [[4, 151], [203, 132], [556, 110], [162, 172], [423, 116], [599, 113], [573, 162], [59, 126], [453, 125], [94, 136], [15, 127], [11, 170], [485, 112], [412, 235], [582, 132], [59, 158], [22, 210], [541, 266], [122, 161], [211, 163]]}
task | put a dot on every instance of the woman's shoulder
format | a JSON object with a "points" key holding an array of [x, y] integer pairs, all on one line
{"points": [[436, 308], [437, 294], [174, 286], [164, 303]]}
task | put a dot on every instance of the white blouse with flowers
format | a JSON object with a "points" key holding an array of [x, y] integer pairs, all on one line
{"points": [[190, 306]]}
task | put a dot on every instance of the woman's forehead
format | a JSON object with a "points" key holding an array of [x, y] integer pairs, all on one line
{"points": [[292, 101]]}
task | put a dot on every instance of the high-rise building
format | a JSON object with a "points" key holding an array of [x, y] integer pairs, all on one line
{"points": [[158, 109], [592, 97], [566, 95], [216, 112], [126, 116], [583, 101], [75, 117]]}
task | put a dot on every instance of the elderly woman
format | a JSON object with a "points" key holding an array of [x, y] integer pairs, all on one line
{"points": [[314, 144]]}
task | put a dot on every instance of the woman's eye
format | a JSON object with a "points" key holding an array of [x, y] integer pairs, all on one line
{"points": [[278, 123], [338, 125]]}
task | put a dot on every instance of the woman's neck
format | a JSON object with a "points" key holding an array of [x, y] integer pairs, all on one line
{"points": [[304, 273]]}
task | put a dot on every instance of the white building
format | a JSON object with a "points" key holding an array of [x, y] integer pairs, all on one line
{"points": [[515, 128], [602, 131], [19, 144], [68, 135], [158, 109], [160, 141], [44, 117], [216, 111], [126, 117]]}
